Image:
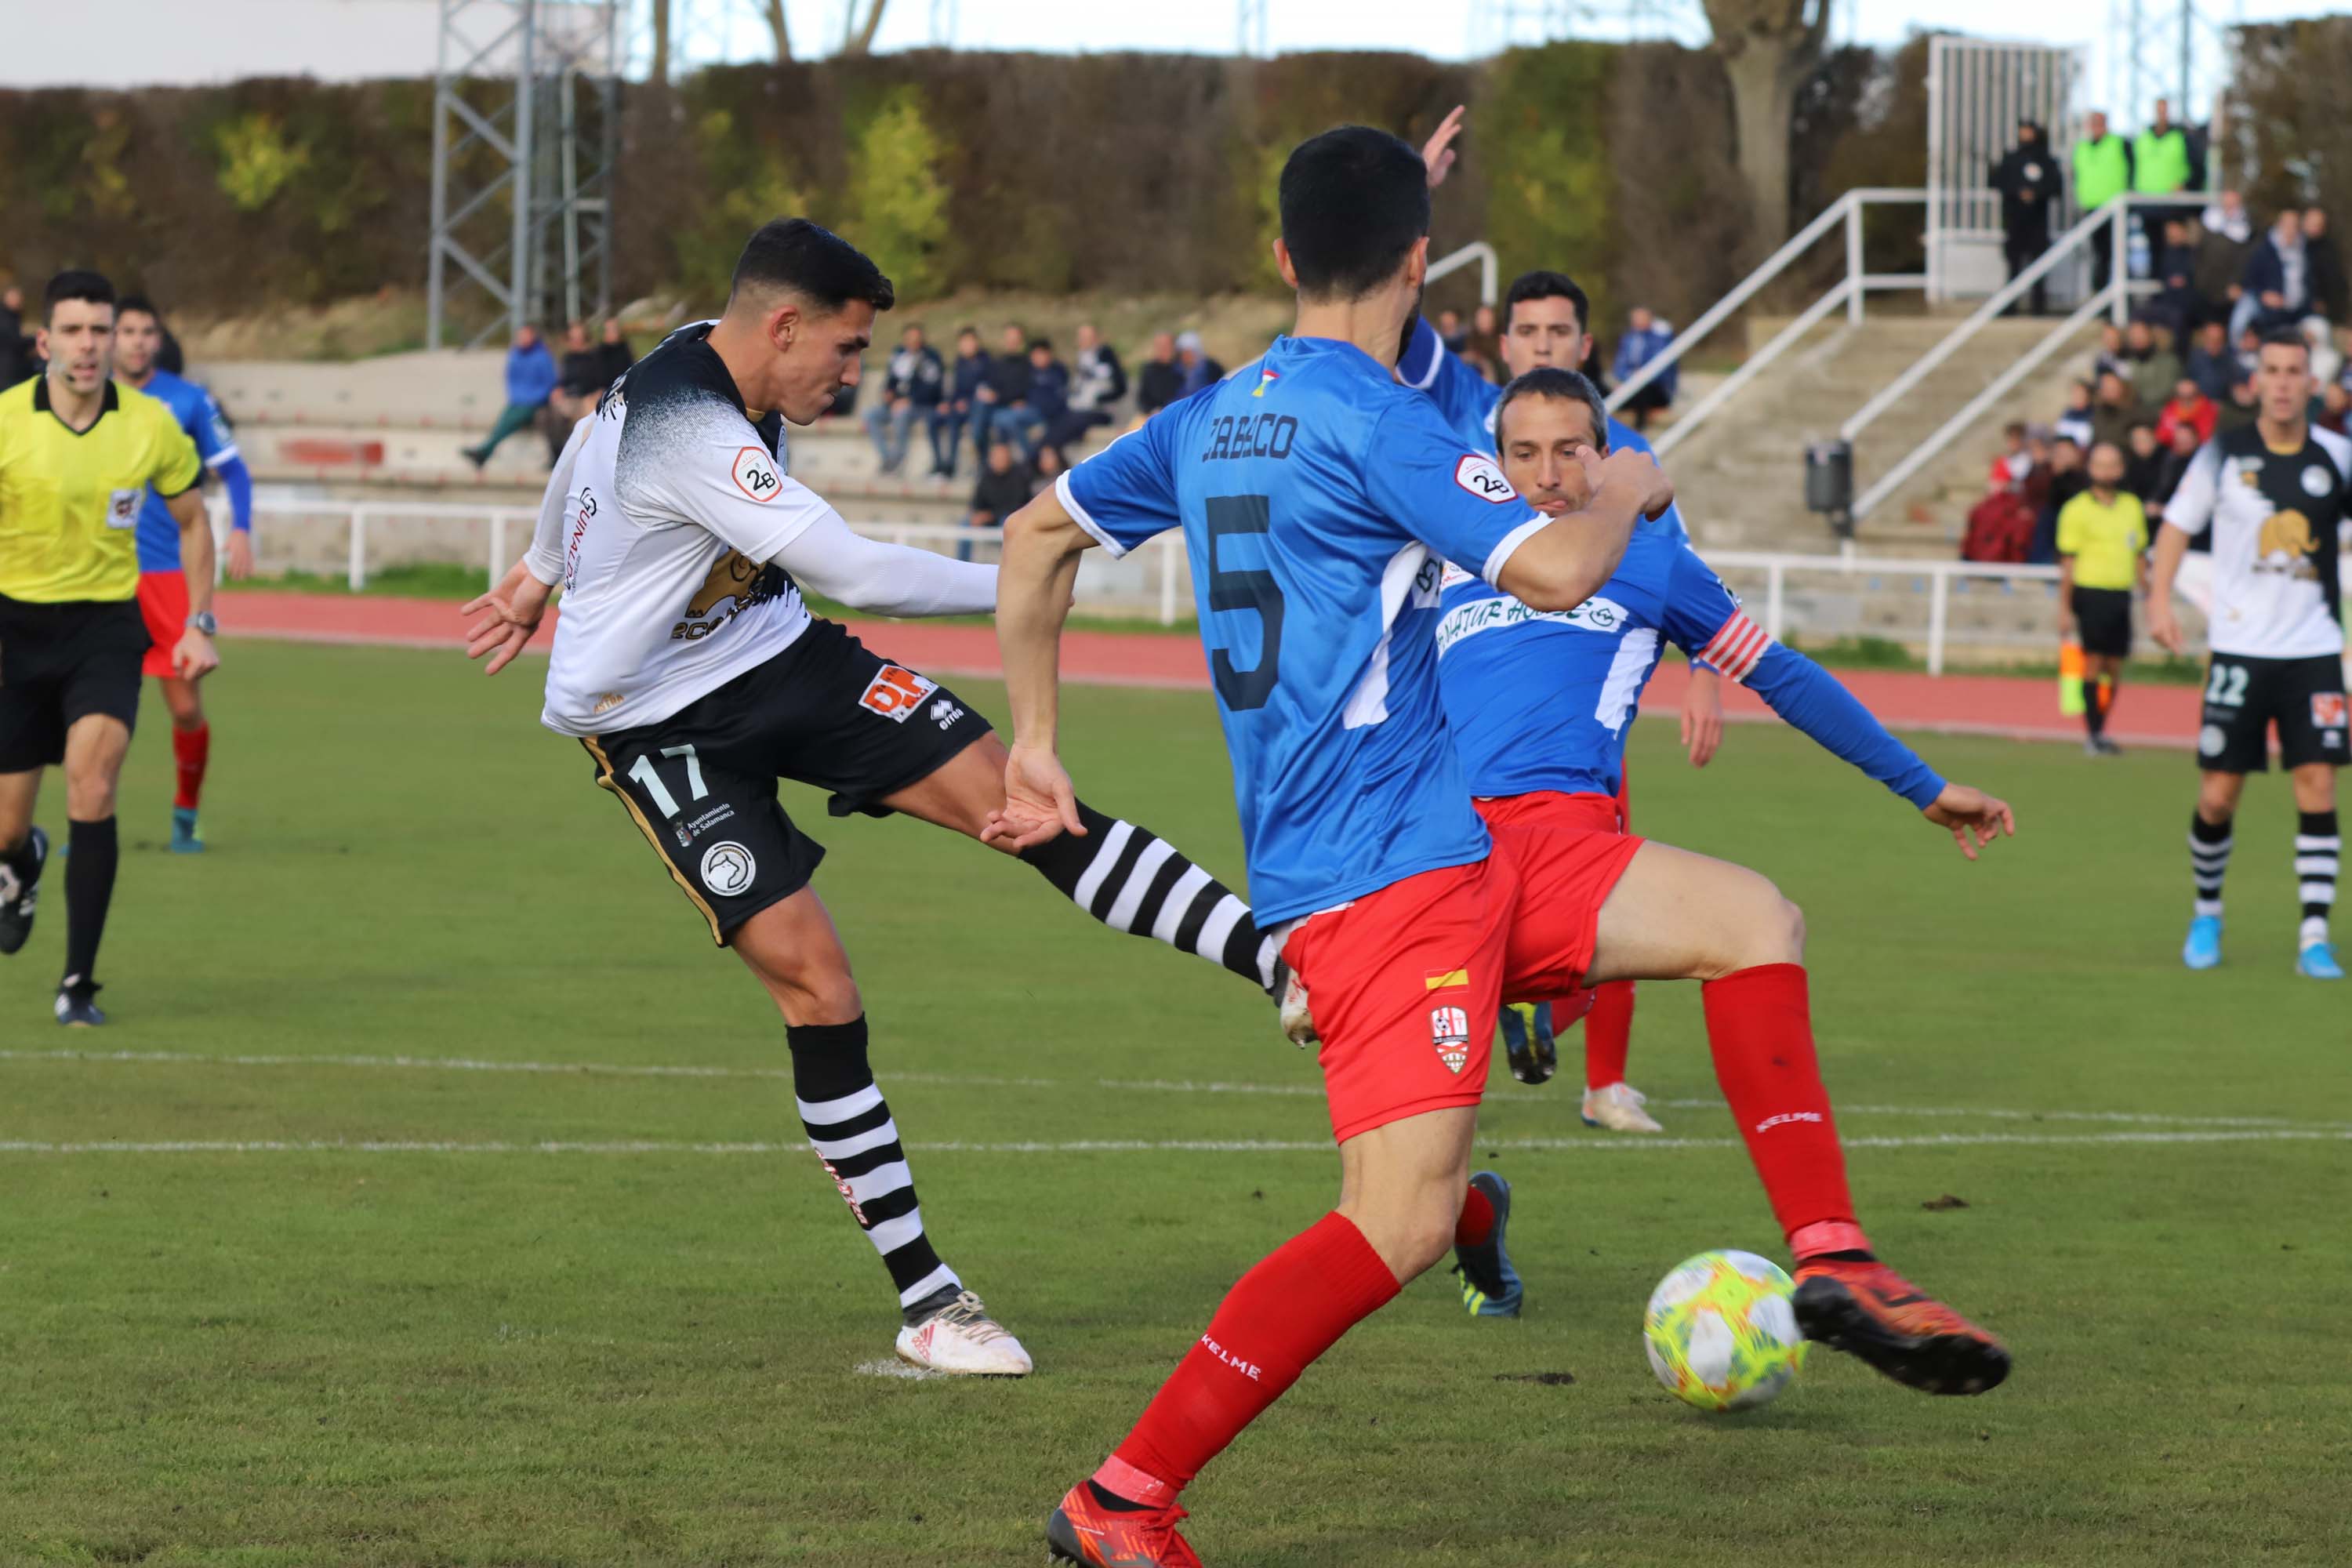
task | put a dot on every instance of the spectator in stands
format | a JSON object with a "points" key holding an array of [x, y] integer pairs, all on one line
{"points": [[2028, 179], [1097, 381], [2176, 304], [2335, 407], [2013, 462], [1451, 331], [2179, 451], [960, 397], [1645, 339], [2103, 171], [2325, 362], [1486, 334], [1049, 398], [2326, 264], [2113, 412], [531, 382], [2161, 168], [613, 346], [2143, 460], [2226, 215], [1005, 488], [2242, 408], [2074, 424], [2222, 251], [2067, 480], [15, 361], [2107, 356], [1199, 370], [2276, 287], [2211, 365], [1487, 368], [579, 385], [2152, 369], [912, 384], [1160, 382], [1003, 394], [2188, 406]]}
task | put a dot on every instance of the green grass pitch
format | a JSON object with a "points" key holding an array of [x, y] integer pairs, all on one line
{"points": [[489, 1353]]}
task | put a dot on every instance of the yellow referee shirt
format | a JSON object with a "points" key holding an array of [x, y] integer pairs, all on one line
{"points": [[69, 502], [2104, 540]]}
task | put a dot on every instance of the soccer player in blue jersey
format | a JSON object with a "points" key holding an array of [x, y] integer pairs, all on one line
{"points": [[1317, 497], [1539, 705], [163, 587]]}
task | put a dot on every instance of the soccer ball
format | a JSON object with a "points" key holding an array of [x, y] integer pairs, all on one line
{"points": [[1722, 1333]]}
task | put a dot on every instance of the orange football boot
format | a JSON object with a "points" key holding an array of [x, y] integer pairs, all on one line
{"points": [[1866, 1309], [1083, 1530]]}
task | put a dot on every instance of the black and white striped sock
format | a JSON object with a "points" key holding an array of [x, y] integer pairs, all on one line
{"points": [[1133, 880], [2209, 860], [2317, 848], [848, 1124]]}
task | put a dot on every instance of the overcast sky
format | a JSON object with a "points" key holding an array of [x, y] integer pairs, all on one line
{"points": [[200, 40]]}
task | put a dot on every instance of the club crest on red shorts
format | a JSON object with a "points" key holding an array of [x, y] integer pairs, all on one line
{"points": [[1449, 1031]]}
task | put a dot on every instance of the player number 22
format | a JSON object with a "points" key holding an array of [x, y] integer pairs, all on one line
{"points": [[2228, 686], [642, 771]]}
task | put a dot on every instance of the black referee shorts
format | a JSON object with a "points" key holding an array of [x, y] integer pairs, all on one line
{"points": [[2103, 620], [827, 712], [60, 664]]}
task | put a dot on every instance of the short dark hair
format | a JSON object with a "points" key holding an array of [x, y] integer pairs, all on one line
{"points": [[1036, 344], [1545, 285], [139, 302], [1566, 385], [76, 283], [1354, 201], [812, 262], [2283, 338]]}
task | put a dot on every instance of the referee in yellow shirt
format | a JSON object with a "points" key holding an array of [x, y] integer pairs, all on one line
{"points": [[77, 454], [2102, 557]]}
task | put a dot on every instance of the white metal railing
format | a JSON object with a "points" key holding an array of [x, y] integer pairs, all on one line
{"points": [[1166, 575], [1848, 291], [1490, 280], [1168, 580], [2114, 298]]}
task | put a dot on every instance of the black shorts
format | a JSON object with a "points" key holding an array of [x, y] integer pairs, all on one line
{"points": [[2103, 620], [2245, 697], [60, 663], [701, 784]]}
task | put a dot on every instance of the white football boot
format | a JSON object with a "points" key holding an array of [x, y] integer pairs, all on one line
{"points": [[1619, 1109], [960, 1339]]}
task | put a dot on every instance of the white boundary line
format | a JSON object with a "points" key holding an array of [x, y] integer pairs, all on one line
{"points": [[1513, 1093], [1142, 1146]]}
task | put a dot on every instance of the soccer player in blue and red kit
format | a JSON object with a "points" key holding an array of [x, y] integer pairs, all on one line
{"points": [[1539, 705], [162, 589]]}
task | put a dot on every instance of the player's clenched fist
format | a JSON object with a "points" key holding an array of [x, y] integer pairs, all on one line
{"points": [[1638, 471]]}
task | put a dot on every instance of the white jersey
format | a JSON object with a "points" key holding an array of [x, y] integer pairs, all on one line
{"points": [[2274, 519], [674, 508]]}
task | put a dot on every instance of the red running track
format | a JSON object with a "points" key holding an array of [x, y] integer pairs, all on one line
{"points": [[2006, 706]]}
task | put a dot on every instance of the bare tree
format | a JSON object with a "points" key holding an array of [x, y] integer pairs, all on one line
{"points": [[1769, 47], [776, 25], [860, 37], [661, 40]]}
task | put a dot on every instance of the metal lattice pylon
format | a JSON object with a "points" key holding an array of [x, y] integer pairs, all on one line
{"points": [[1499, 24], [526, 126], [2174, 49]]}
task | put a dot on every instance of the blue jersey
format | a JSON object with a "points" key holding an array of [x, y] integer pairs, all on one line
{"points": [[1468, 401], [1541, 701], [200, 416], [1316, 498]]}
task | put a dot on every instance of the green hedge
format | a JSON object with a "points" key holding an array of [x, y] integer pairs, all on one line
{"points": [[1143, 174]]}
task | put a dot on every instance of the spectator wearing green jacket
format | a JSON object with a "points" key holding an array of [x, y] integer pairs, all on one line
{"points": [[2161, 166], [2103, 171]]}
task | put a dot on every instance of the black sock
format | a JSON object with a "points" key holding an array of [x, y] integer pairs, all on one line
{"points": [[848, 1124], [1133, 880], [90, 888], [2209, 860], [2094, 718]]}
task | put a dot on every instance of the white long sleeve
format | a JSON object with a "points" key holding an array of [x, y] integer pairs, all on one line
{"points": [[828, 558], [544, 559]]}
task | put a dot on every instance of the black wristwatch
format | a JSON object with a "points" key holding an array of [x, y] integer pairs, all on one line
{"points": [[203, 621]]}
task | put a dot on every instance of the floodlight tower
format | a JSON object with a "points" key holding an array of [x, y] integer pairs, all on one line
{"points": [[526, 125], [1499, 24], [943, 24], [1249, 29], [2175, 49]]}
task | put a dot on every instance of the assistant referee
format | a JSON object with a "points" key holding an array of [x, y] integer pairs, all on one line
{"points": [[77, 454]]}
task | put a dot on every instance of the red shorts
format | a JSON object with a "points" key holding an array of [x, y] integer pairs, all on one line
{"points": [[1405, 982], [163, 603]]}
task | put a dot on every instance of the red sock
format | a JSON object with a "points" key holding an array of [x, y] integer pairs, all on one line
{"points": [[1477, 1221], [190, 750], [1608, 1034], [1760, 1029], [1287, 1311]]}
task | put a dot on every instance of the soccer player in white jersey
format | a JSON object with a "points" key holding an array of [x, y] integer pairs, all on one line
{"points": [[688, 668], [2272, 495]]}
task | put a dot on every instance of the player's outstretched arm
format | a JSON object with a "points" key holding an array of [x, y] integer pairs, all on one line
{"points": [[1974, 817], [2171, 544], [831, 557], [1042, 546], [1565, 562]]}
